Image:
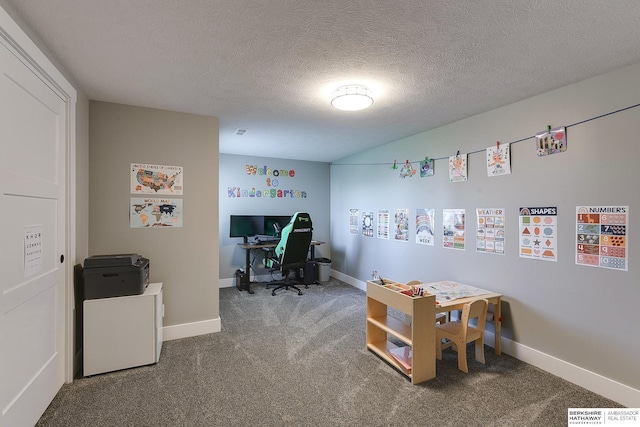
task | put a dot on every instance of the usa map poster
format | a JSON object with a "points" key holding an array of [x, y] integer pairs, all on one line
{"points": [[490, 231], [425, 226], [602, 236], [539, 233], [156, 179], [155, 212], [453, 221]]}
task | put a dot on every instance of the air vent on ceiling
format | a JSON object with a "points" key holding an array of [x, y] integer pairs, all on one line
{"points": [[241, 132]]}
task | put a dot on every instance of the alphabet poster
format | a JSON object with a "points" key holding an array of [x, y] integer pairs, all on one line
{"points": [[602, 236], [539, 233], [490, 231], [453, 222]]}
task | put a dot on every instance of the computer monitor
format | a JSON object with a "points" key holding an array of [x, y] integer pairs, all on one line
{"points": [[246, 225], [274, 224]]}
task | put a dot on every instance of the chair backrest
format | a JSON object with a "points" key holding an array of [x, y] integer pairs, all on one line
{"points": [[472, 310], [295, 240]]}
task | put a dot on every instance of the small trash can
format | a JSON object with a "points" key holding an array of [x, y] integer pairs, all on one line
{"points": [[324, 269]]}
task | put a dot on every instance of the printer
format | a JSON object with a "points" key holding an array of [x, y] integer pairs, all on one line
{"points": [[115, 275]]}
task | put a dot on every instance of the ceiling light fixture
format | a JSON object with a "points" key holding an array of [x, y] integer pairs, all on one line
{"points": [[352, 98]]}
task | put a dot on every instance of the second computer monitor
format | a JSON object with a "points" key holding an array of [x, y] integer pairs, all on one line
{"points": [[273, 224]]}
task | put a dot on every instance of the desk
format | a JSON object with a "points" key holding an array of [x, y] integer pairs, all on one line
{"points": [[248, 247], [453, 296], [420, 333]]}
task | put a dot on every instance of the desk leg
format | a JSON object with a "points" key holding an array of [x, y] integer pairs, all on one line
{"points": [[248, 269], [497, 322]]}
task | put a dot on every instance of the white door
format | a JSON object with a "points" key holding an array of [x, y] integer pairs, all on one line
{"points": [[33, 128]]}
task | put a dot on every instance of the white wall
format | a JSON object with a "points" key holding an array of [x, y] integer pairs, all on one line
{"points": [[583, 316], [310, 177]]}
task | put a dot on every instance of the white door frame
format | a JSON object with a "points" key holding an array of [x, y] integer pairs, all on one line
{"points": [[16, 40]]}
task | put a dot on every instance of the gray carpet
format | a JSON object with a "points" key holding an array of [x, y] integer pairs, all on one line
{"points": [[294, 360]]}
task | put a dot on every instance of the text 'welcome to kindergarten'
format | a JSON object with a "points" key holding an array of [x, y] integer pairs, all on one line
{"points": [[274, 188]]}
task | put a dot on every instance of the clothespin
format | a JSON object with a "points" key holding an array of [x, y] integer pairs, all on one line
{"points": [[426, 159], [458, 153], [394, 165], [498, 144], [406, 163], [549, 129]]}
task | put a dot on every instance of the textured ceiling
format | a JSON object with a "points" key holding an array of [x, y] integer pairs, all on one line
{"points": [[269, 66]]}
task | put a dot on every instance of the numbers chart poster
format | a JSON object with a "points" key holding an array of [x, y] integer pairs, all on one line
{"points": [[367, 224], [425, 224], [539, 233], [401, 221], [602, 236], [353, 221], [490, 231], [383, 224], [453, 221]]}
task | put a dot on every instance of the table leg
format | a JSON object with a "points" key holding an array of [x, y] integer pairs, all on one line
{"points": [[497, 321], [248, 269]]}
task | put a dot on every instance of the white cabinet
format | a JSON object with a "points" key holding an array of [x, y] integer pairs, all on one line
{"points": [[123, 332]]}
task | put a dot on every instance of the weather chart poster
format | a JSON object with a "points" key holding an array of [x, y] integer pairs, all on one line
{"points": [[601, 236], [490, 231], [539, 233]]}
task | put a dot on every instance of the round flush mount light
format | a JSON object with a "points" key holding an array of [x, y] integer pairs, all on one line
{"points": [[352, 98]]}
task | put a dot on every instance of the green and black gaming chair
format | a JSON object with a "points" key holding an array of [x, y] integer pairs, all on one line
{"points": [[291, 253]]}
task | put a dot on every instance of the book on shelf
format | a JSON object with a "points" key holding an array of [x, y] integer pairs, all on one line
{"points": [[403, 356]]}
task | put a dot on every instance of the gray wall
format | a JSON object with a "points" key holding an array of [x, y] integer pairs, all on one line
{"points": [[185, 259], [311, 177], [582, 315]]}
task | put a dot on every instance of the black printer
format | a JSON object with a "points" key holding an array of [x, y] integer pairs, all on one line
{"points": [[115, 275]]}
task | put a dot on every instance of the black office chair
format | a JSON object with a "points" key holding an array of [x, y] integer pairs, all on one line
{"points": [[291, 253]]}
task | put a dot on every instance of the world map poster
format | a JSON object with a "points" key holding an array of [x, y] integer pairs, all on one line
{"points": [[155, 212], [156, 179]]}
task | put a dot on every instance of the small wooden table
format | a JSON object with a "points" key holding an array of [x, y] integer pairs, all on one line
{"points": [[447, 305]]}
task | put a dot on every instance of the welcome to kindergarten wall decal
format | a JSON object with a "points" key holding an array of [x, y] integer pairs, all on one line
{"points": [[273, 190]]}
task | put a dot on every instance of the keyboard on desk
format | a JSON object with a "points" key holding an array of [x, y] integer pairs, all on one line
{"points": [[265, 240]]}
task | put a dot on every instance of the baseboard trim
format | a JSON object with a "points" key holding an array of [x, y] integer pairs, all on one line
{"points": [[226, 283], [618, 392], [193, 329], [592, 381]]}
